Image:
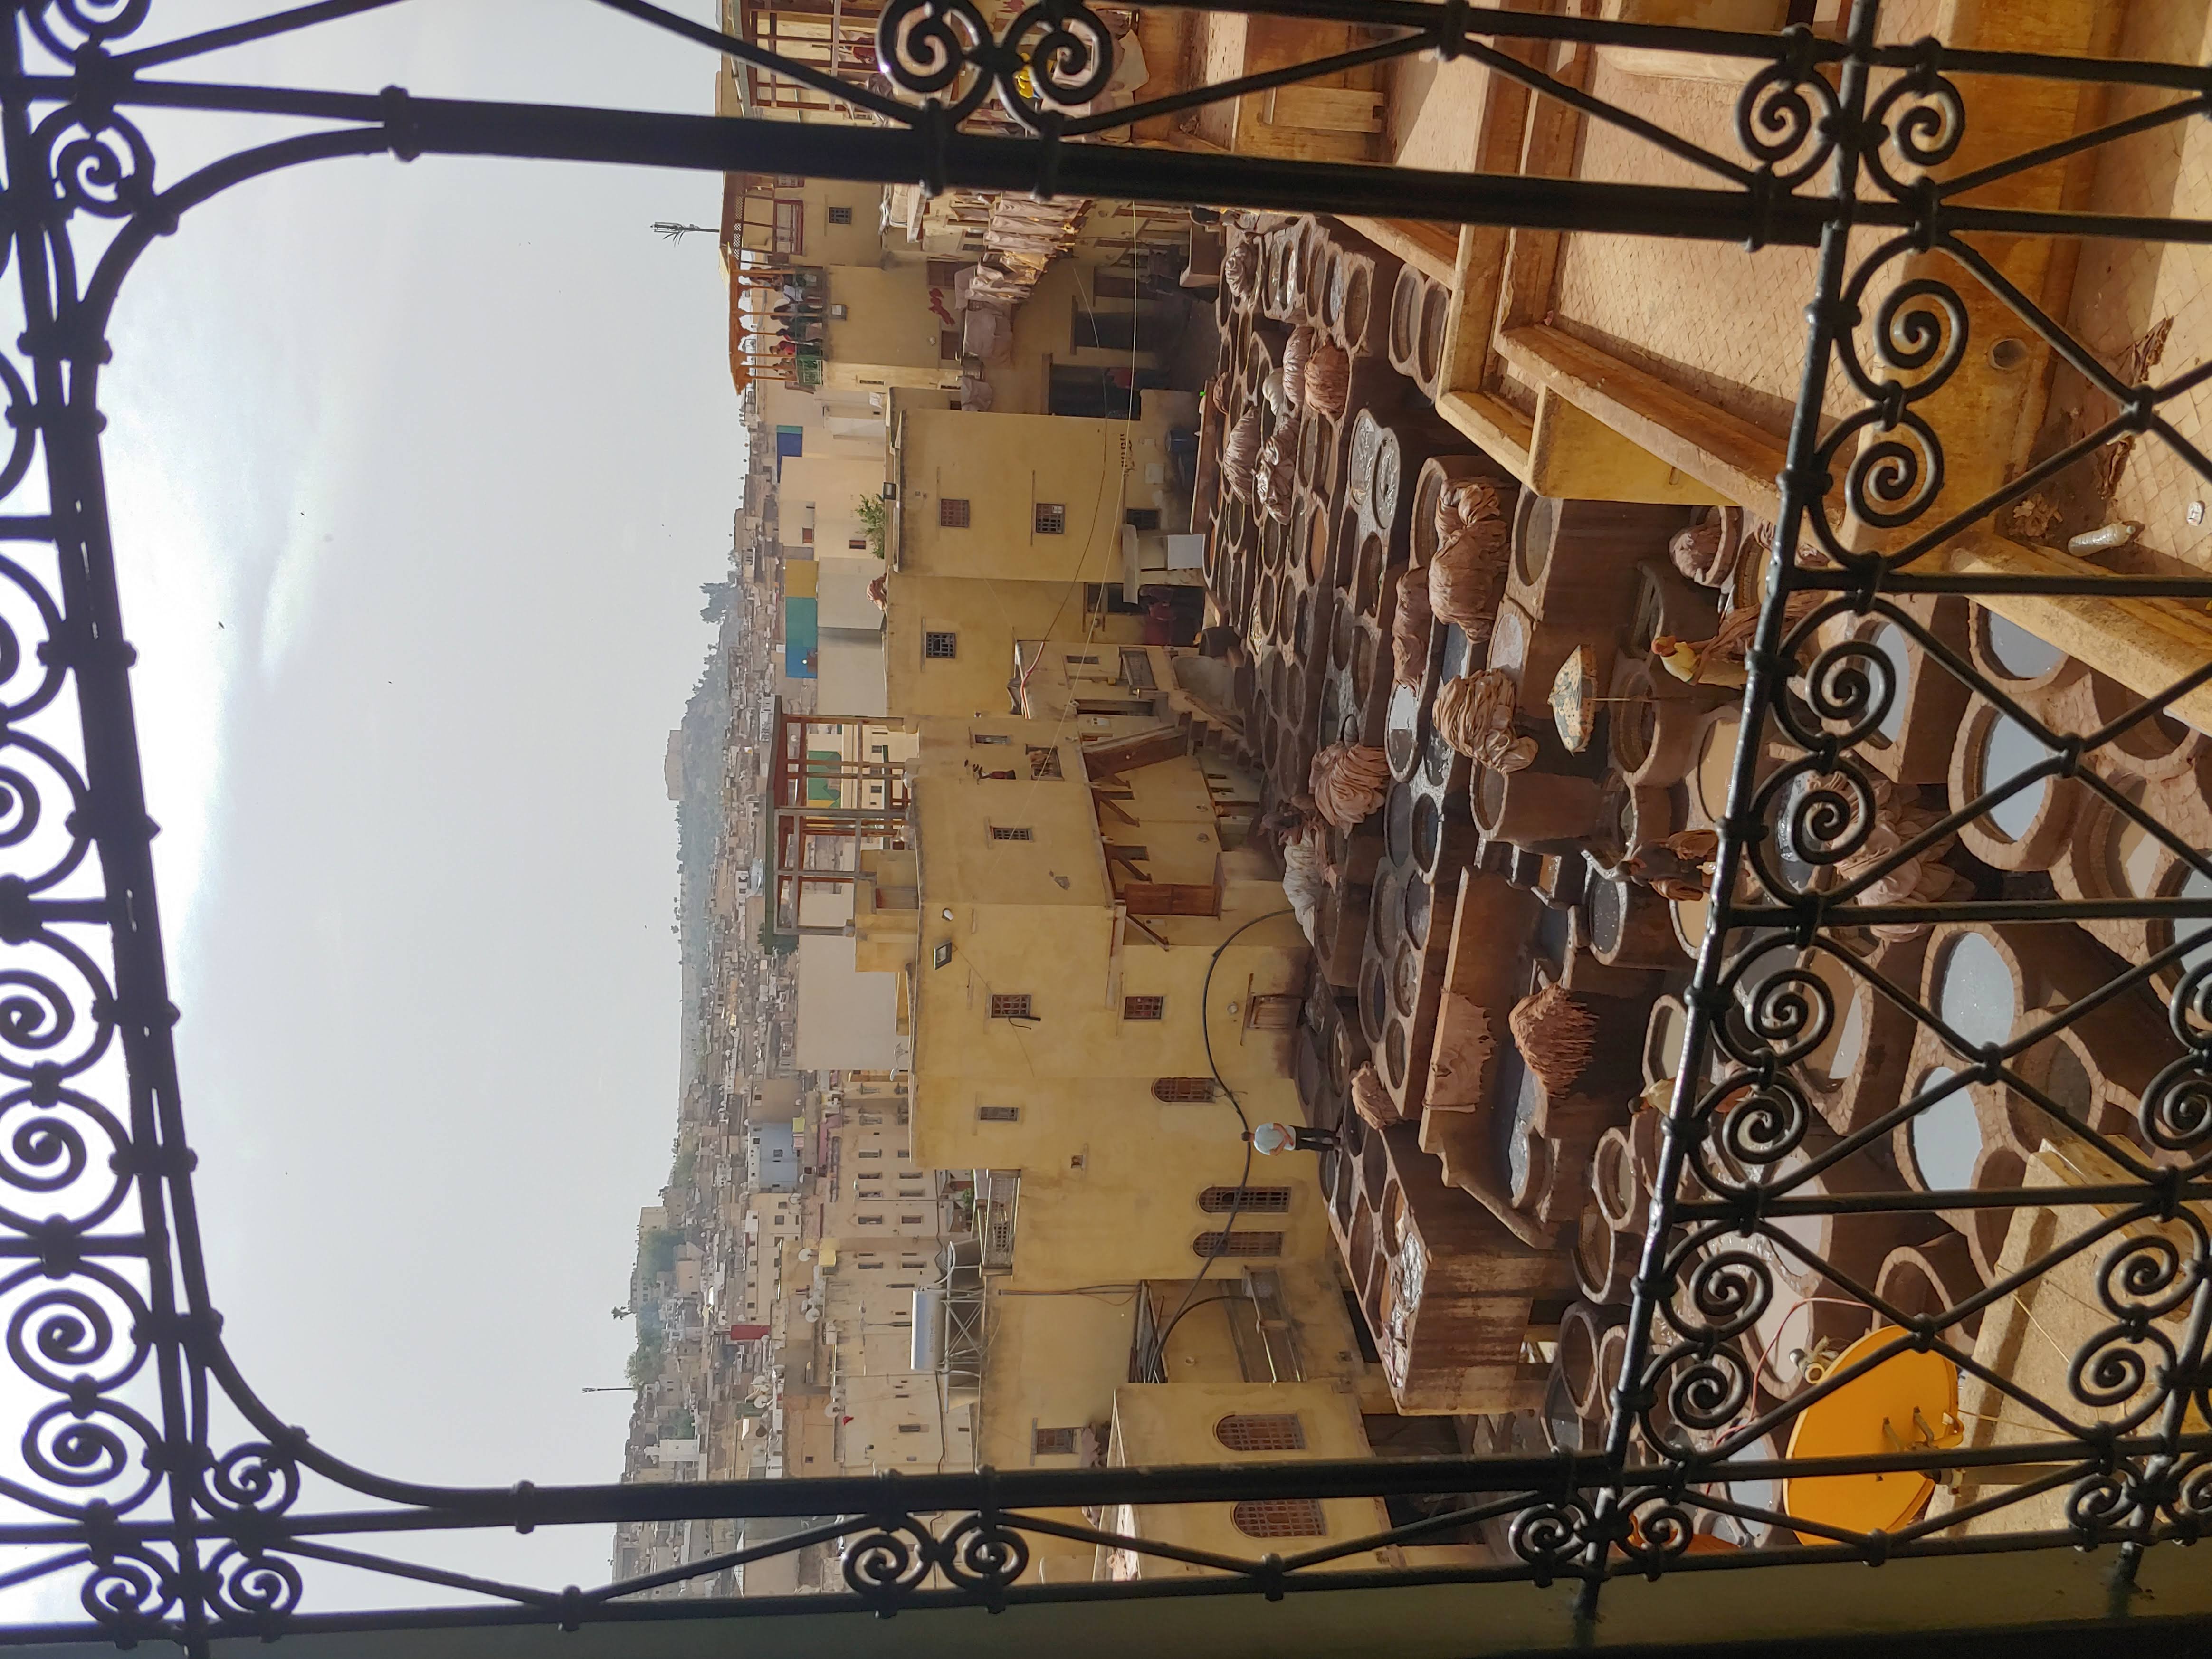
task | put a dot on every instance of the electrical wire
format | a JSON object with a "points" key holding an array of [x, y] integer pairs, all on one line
{"points": [[1156, 1360]]}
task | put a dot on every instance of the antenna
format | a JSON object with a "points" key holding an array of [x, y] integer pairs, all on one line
{"points": [[676, 233]]}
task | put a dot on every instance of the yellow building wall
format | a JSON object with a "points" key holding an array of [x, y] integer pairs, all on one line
{"points": [[985, 618], [1003, 465], [833, 486], [1177, 1425], [858, 243], [1054, 1362], [888, 324], [1045, 334]]}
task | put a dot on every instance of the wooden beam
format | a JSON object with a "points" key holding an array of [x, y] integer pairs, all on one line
{"points": [[1135, 752], [1725, 450]]}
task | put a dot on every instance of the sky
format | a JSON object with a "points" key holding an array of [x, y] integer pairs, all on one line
{"points": [[415, 472]]}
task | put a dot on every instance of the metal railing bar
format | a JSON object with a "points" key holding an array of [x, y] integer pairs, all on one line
{"points": [[744, 51], [2027, 161], [388, 1567], [239, 35]]}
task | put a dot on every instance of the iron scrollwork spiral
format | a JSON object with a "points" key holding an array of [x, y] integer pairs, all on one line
{"points": [[982, 1555], [890, 1561], [1056, 55], [2175, 1113]]}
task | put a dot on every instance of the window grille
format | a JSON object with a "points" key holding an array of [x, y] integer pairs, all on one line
{"points": [[841, 215], [1044, 763], [1011, 1006], [1261, 1431], [942, 646], [1054, 1443], [1182, 1088], [1050, 518], [1258, 1200], [1144, 1007], [952, 513], [1277, 1517], [999, 1114], [1239, 1243], [1010, 832]]}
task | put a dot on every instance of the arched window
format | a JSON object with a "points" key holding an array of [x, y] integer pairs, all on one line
{"points": [[1238, 1242], [1257, 1200], [1173, 1088], [1277, 1517], [1261, 1431]]}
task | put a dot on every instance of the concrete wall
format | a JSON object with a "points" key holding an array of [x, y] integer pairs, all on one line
{"points": [[1004, 465], [846, 1018]]}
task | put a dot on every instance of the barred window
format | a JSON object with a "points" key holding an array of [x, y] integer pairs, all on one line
{"points": [[1258, 1200], [1005, 1004], [1044, 763], [1010, 832], [1144, 1007], [910, 1428], [1277, 1517], [942, 646], [1261, 1431], [999, 1114], [952, 513], [841, 215], [1182, 1088], [1236, 1243], [1051, 518], [1052, 1443]]}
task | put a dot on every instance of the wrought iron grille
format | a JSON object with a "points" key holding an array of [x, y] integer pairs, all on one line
{"points": [[154, 1478]]}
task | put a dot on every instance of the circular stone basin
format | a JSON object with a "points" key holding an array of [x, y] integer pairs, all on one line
{"points": [[1605, 905], [1389, 916], [2007, 749], [1437, 757], [1398, 826], [1388, 461], [1402, 730], [2023, 655], [1428, 831], [1420, 903], [1947, 1136], [1406, 973], [1974, 990], [1890, 640], [1374, 1001]]}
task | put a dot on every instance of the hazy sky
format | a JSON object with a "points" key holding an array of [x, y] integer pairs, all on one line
{"points": [[416, 470]]}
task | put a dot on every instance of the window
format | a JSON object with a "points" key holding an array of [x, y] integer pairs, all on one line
{"points": [[1142, 518], [875, 1154], [1277, 1517], [841, 215], [1182, 1088], [857, 543], [868, 1220], [807, 535], [910, 1428], [914, 1220], [872, 1267], [943, 647], [998, 1114], [1258, 1200], [1144, 1007], [1010, 832], [1261, 1431], [988, 737], [790, 235], [1050, 518], [1014, 1005], [1044, 763], [952, 513], [1092, 660], [1236, 1243], [1052, 1443]]}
